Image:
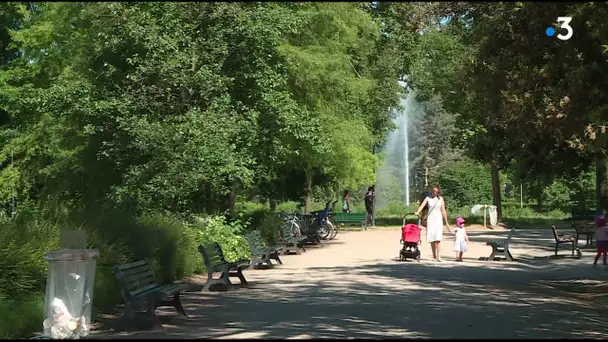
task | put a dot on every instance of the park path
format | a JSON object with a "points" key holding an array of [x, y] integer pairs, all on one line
{"points": [[353, 287]]}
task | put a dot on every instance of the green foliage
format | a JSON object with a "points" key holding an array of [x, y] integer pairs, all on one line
{"points": [[556, 195], [465, 183], [22, 257], [21, 316], [270, 227], [581, 189], [287, 207], [139, 116], [169, 244], [227, 234], [529, 212]]}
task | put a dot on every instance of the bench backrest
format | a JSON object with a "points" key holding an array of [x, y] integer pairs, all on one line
{"points": [[213, 256], [555, 234], [254, 239], [349, 217], [135, 278]]}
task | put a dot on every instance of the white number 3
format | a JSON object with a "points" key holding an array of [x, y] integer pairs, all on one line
{"points": [[565, 25]]}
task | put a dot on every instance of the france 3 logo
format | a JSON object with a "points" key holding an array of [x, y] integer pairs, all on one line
{"points": [[564, 26]]}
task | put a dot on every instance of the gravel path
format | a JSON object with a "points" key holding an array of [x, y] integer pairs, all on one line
{"points": [[353, 287]]}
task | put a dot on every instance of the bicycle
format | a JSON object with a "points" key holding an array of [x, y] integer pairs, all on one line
{"points": [[292, 221]]}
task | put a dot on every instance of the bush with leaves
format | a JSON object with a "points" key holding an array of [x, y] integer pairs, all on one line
{"points": [[464, 183], [227, 234]]}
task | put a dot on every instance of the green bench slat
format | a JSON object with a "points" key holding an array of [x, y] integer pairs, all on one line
{"points": [[216, 259], [256, 243], [174, 288], [144, 290], [241, 263], [132, 265], [139, 289], [138, 279], [349, 217]]}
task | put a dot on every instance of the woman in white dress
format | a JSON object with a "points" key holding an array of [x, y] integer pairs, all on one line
{"points": [[436, 216]]}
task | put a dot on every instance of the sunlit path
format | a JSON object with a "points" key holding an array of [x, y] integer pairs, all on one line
{"points": [[354, 288]]}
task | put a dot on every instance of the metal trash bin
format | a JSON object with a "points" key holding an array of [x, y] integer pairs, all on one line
{"points": [[69, 293]]}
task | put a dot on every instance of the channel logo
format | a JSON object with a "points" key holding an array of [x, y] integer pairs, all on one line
{"points": [[565, 25]]}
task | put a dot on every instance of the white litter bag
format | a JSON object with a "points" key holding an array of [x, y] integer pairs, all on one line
{"points": [[493, 215]]}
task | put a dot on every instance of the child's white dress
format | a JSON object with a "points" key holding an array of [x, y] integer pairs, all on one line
{"points": [[460, 244]]}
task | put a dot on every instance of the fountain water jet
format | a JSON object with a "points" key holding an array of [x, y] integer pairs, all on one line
{"points": [[393, 176]]}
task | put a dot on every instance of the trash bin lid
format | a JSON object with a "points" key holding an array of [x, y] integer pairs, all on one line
{"points": [[71, 255]]}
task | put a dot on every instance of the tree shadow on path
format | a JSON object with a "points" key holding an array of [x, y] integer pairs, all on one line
{"points": [[390, 300]]}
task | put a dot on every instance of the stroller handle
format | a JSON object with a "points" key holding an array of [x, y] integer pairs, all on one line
{"points": [[410, 215]]}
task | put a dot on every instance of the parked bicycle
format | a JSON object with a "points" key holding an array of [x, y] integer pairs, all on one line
{"points": [[329, 230], [315, 226], [291, 220]]}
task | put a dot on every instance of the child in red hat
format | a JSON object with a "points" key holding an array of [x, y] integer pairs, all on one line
{"points": [[460, 239], [601, 240]]}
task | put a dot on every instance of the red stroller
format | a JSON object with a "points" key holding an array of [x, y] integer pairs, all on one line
{"points": [[410, 238]]}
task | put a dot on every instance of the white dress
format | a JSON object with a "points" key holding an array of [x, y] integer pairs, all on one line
{"points": [[434, 220], [460, 244]]}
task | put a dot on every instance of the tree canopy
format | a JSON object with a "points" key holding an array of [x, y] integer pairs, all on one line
{"points": [[181, 106]]}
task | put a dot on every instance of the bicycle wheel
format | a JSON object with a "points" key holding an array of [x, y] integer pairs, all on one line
{"points": [[324, 231], [294, 229], [334, 230], [327, 227]]}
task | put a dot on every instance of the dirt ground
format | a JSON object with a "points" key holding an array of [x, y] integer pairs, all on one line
{"points": [[354, 287], [471, 227]]}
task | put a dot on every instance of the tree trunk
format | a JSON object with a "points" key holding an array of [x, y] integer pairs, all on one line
{"points": [[600, 183], [273, 204], [496, 191], [308, 191]]}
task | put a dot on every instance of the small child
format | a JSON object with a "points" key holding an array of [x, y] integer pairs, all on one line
{"points": [[461, 239], [601, 240]]}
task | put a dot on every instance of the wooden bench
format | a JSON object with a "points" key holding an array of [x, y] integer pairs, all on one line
{"points": [[564, 239], [582, 223], [501, 246], [587, 230], [260, 253], [215, 262], [290, 242], [139, 289], [359, 218]]}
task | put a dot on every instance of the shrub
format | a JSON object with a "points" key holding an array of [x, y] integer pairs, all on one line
{"points": [[22, 256], [246, 208], [168, 243], [287, 207], [21, 317], [227, 234], [465, 182], [556, 195], [269, 228]]}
